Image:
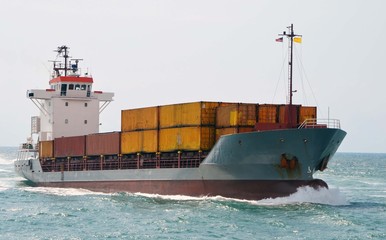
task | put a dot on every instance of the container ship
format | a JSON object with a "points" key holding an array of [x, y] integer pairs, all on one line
{"points": [[236, 150]]}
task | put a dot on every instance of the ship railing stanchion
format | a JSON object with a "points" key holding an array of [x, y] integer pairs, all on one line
{"points": [[179, 159], [158, 159], [199, 158], [84, 163], [68, 163], [119, 161], [54, 165], [101, 162], [138, 160]]}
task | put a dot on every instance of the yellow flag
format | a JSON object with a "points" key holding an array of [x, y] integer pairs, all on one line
{"points": [[298, 39]]}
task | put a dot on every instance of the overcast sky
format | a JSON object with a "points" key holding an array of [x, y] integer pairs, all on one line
{"points": [[162, 52]]}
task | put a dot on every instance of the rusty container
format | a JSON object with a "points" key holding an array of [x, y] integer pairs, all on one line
{"points": [[232, 130], [70, 146], [46, 149], [139, 119], [238, 114], [268, 113], [145, 141], [188, 114], [186, 139], [288, 114], [307, 112], [103, 144]]}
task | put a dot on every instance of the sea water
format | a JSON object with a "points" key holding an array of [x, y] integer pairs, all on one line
{"points": [[354, 207]]}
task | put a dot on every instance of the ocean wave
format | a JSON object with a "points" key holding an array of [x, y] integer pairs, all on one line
{"points": [[4, 161]]}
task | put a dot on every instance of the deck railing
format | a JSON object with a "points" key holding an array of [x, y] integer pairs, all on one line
{"points": [[320, 123], [27, 151]]}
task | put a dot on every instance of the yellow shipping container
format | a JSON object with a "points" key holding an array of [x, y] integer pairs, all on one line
{"points": [[306, 113], [239, 114], [187, 114], [267, 113], [232, 130], [139, 141], [46, 149], [186, 138], [139, 119]]}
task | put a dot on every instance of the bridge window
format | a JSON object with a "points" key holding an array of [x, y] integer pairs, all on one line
{"points": [[77, 87], [71, 87], [83, 87], [63, 90]]}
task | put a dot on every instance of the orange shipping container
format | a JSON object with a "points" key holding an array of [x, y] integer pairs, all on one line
{"points": [[288, 114], [232, 130], [186, 138], [70, 146], [268, 113], [187, 114], [46, 149], [239, 114], [306, 112], [102, 144], [145, 141], [139, 119]]}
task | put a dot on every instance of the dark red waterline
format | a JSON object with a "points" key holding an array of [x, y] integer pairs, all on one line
{"points": [[239, 189]]}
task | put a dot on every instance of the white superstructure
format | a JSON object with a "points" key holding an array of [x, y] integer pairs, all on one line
{"points": [[69, 107]]}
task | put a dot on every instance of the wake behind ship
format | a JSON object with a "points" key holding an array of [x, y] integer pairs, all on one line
{"points": [[237, 150]]}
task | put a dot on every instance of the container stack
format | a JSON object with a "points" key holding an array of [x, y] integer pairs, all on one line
{"points": [[169, 128], [140, 130], [192, 126], [235, 118], [187, 127]]}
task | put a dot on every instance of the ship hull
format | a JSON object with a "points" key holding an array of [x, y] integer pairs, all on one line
{"points": [[250, 166]]}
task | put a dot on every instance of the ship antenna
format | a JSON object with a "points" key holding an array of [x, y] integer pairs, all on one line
{"points": [[290, 37], [63, 50]]}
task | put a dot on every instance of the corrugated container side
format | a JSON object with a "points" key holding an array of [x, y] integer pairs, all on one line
{"points": [[145, 141], [288, 114], [187, 114], [186, 138], [208, 113], [240, 114], [70, 146], [139, 119], [223, 115], [232, 130], [46, 149], [103, 144], [268, 113], [307, 112], [248, 115]]}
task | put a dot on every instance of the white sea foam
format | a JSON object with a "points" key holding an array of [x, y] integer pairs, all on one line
{"points": [[172, 197], [303, 195], [308, 194], [62, 191], [331, 196], [4, 161]]}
